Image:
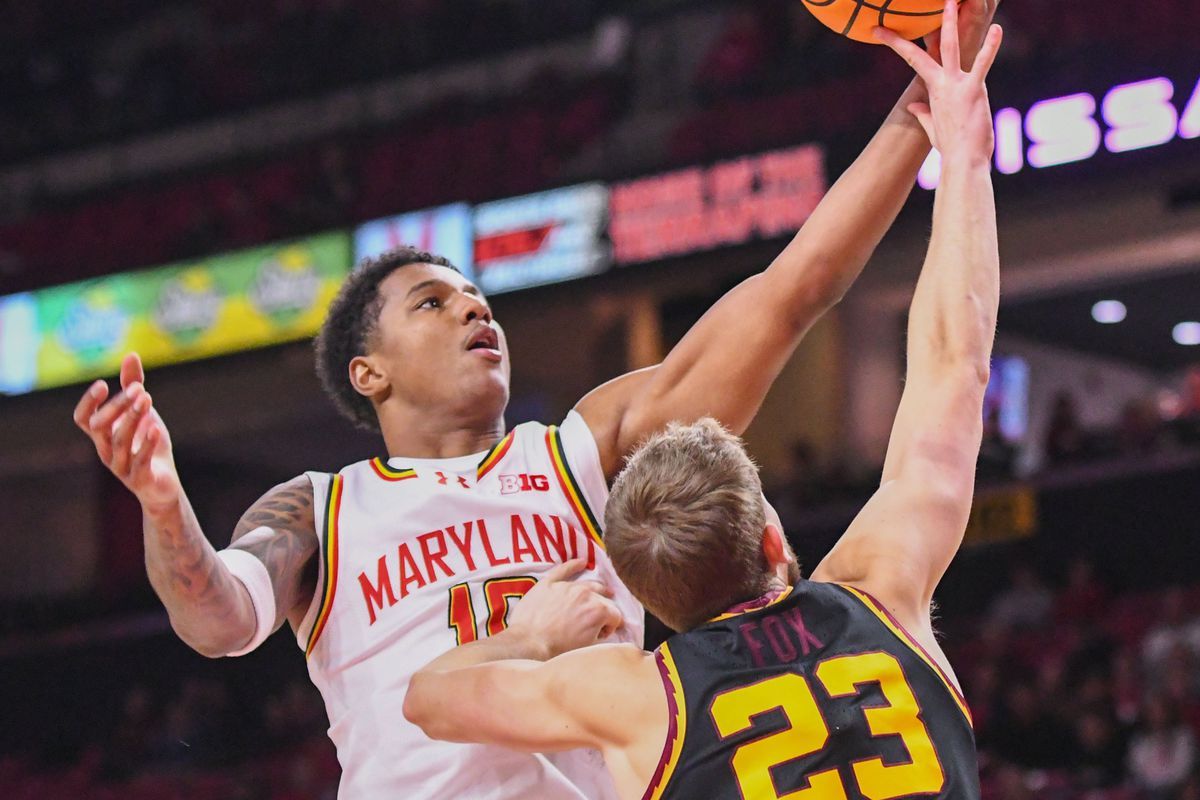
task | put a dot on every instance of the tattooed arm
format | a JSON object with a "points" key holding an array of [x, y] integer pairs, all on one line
{"points": [[209, 608]]}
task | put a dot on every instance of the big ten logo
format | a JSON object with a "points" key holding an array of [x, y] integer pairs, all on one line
{"points": [[511, 484]]}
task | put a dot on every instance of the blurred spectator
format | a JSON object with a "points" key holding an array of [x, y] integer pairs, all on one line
{"points": [[1187, 424], [796, 489], [738, 57], [1099, 758], [1190, 790], [1010, 785], [1085, 598], [1176, 629], [329, 199], [1181, 686], [983, 696], [1026, 603], [1025, 735], [1139, 429], [1162, 752], [129, 741], [1065, 441], [1127, 690], [997, 456]]}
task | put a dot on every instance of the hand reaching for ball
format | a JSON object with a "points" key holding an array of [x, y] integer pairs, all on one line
{"points": [[974, 20], [958, 117]]}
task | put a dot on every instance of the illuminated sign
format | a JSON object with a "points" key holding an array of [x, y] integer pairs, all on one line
{"points": [[541, 238], [443, 231], [18, 343], [232, 302], [1063, 130], [727, 204]]}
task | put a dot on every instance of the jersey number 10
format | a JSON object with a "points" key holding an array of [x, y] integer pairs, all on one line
{"points": [[733, 712], [498, 594]]}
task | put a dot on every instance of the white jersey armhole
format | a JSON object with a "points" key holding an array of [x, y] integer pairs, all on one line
{"points": [[583, 457], [320, 485]]}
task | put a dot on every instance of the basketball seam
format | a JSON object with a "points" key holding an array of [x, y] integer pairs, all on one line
{"points": [[858, 7], [861, 4]]}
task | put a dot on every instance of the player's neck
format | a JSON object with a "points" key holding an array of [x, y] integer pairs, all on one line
{"points": [[431, 437]]}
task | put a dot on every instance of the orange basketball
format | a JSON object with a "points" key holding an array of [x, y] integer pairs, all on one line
{"points": [[912, 19]]}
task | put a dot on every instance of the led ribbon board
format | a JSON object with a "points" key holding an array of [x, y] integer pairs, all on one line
{"points": [[1075, 127], [703, 208], [444, 231], [541, 238], [252, 298]]}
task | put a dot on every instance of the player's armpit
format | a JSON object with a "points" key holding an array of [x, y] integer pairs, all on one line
{"points": [[279, 529], [601, 696]]}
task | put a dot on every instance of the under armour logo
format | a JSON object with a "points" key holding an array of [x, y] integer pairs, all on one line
{"points": [[443, 478]]}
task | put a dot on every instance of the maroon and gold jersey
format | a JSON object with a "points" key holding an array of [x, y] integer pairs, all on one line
{"points": [[814, 694]]}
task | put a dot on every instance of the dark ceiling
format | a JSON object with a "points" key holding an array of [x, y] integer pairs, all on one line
{"points": [[1155, 305]]}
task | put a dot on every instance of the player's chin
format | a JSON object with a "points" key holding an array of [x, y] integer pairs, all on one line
{"points": [[488, 385]]}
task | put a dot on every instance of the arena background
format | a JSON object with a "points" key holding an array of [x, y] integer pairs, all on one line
{"points": [[193, 179]]}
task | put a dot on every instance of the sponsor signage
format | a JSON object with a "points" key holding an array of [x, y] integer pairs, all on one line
{"points": [[541, 238], [1004, 515], [252, 298], [18, 343], [1078, 127], [444, 231], [703, 208]]}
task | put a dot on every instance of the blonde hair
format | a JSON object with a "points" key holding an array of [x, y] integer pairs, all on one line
{"points": [[684, 524]]}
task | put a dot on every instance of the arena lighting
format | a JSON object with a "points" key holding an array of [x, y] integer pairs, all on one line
{"points": [[1187, 333], [1109, 312], [1064, 130]]}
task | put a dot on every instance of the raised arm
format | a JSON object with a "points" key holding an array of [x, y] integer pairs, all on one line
{"points": [[901, 544], [210, 609], [726, 363]]}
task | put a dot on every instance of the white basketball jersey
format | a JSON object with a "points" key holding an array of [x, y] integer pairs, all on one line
{"points": [[420, 555]]}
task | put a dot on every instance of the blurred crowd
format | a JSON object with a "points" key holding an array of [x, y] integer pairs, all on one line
{"points": [[1146, 426], [1081, 693], [197, 743], [772, 76], [78, 73]]}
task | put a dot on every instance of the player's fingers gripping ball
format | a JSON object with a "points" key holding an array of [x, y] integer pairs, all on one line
{"points": [[912, 19]]}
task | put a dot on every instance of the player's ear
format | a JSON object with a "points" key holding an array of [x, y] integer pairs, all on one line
{"points": [[774, 545], [366, 377]]}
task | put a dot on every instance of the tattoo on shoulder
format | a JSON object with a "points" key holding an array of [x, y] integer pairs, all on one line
{"points": [[288, 508], [279, 530]]}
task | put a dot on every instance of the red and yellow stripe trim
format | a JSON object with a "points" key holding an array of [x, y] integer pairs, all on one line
{"points": [[388, 473], [676, 726], [329, 554], [570, 486], [885, 616], [494, 455], [754, 606]]}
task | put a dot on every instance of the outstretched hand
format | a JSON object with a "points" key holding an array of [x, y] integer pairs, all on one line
{"points": [[958, 117], [564, 614], [130, 437], [974, 20]]}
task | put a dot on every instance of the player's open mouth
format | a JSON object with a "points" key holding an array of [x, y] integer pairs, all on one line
{"points": [[486, 343]]}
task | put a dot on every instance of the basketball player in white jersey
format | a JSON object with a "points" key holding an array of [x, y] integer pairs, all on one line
{"points": [[393, 560]]}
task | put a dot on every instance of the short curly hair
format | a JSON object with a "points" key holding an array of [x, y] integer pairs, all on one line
{"points": [[350, 324]]}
